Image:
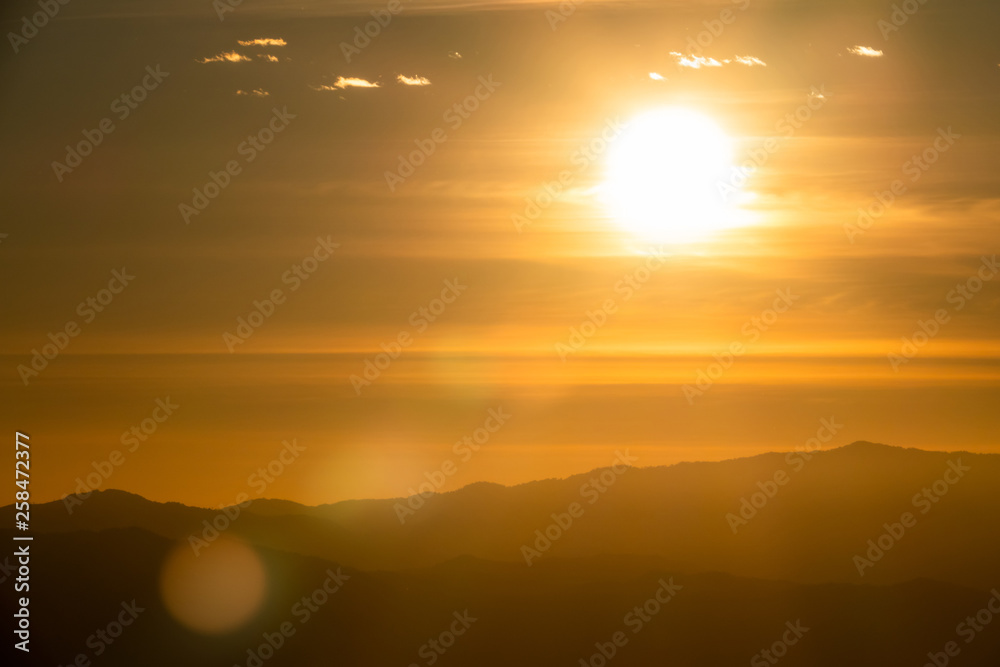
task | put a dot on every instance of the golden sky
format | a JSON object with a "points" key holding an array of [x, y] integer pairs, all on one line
{"points": [[507, 233]]}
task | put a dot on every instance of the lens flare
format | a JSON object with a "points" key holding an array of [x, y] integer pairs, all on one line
{"points": [[215, 591]]}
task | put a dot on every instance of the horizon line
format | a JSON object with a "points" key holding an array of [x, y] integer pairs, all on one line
{"points": [[799, 448]]}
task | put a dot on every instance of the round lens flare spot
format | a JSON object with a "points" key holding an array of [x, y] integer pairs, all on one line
{"points": [[215, 591], [665, 177]]}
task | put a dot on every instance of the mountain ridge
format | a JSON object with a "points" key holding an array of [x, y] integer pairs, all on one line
{"points": [[863, 446], [559, 609], [794, 516]]}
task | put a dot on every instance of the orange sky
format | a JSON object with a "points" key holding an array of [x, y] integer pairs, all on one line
{"points": [[526, 288]]}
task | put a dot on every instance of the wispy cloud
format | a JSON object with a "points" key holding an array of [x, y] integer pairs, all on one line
{"points": [[263, 41], [454, 55], [697, 62], [268, 57], [347, 82], [413, 80], [226, 57], [256, 92], [865, 51], [656, 76]]}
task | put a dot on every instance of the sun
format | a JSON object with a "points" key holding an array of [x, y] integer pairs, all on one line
{"points": [[664, 177]]}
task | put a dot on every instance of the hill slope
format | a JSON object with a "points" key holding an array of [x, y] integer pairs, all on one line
{"points": [[813, 518]]}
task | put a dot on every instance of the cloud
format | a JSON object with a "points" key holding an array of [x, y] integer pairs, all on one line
{"points": [[347, 82], [749, 61], [697, 62], [263, 41], [354, 82], [454, 55], [226, 57], [256, 92], [656, 77], [866, 51], [268, 57], [413, 80]]}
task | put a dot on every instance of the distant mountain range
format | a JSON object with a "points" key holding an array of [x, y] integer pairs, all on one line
{"points": [[809, 529], [791, 565]]}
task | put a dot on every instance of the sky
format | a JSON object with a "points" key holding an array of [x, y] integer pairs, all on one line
{"points": [[540, 300]]}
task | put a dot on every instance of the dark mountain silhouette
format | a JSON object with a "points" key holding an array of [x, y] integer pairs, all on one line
{"points": [[809, 530], [550, 614], [787, 572]]}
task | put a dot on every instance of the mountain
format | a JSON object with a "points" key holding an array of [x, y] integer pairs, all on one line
{"points": [[558, 612], [819, 517]]}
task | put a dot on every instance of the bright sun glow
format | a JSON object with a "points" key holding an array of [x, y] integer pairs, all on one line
{"points": [[664, 177]]}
